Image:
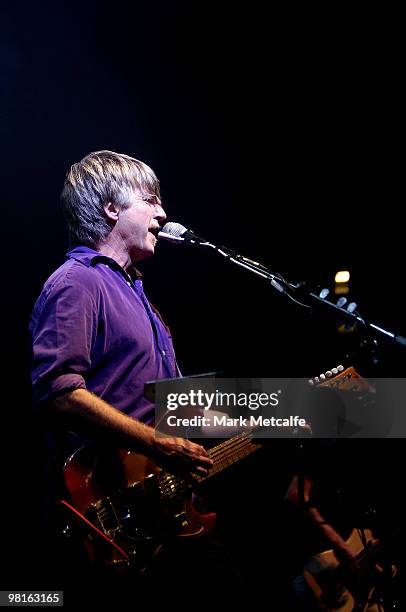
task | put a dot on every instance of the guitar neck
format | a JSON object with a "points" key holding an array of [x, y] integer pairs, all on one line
{"points": [[229, 452]]}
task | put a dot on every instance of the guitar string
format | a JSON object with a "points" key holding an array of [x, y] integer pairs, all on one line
{"points": [[224, 448], [229, 459], [223, 455], [229, 453], [227, 449], [365, 556]]}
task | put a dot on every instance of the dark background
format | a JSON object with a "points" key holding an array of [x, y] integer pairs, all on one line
{"points": [[279, 135]]}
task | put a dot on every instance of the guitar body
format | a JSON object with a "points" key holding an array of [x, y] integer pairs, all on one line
{"points": [[127, 506], [340, 590], [123, 501]]}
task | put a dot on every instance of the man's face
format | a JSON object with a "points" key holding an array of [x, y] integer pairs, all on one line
{"points": [[138, 225]]}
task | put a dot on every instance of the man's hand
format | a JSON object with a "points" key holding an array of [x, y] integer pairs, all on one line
{"points": [[96, 415], [182, 455]]}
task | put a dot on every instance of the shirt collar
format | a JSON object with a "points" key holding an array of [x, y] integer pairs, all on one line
{"points": [[90, 257]]}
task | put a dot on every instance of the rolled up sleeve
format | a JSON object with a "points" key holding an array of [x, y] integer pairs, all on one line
{"points": [[63, 329]]}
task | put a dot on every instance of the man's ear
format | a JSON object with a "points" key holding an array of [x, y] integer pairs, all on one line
{"points": [[111, 210]]}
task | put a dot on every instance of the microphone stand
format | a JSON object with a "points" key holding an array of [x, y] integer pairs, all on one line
{"points": [[298, 293]]}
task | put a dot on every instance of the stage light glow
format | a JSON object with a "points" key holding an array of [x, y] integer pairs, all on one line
{"points": [[342, 276]]}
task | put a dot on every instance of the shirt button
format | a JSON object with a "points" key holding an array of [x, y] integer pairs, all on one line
{"points": [[163, 353]]}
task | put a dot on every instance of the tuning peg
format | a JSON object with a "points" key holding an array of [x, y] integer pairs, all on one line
{"points": [[329, 374], [341, 301], [351, 307], [322, 377], [324, 293], [340, 368], [334, 371]]}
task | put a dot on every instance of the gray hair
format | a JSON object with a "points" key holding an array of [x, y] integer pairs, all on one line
{"points": [[99, 178]]}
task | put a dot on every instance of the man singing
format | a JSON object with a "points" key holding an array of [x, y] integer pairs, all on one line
{"points": [[96, 338]]}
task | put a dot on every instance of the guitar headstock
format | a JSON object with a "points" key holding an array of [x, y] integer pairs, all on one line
{"points": [[343, 379]]}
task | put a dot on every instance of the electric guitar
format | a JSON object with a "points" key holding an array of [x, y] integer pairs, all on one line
{"points": [[339, 588], [127, 506]]}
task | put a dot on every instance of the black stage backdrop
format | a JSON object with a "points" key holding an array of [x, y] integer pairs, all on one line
{"points": [[279, 135]]}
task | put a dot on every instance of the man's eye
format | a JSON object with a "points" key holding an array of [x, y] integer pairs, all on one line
{"points": [[152, 201]]}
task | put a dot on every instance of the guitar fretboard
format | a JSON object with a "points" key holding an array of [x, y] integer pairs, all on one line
{"points": [[229, 452]]}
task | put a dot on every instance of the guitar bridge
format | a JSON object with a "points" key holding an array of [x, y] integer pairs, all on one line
{"points": [[104, 513]]}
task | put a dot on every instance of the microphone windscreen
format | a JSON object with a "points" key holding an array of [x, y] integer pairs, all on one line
{"points": [[174, 229]]}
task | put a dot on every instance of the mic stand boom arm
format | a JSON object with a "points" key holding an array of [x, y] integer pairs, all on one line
{"points": [[284, 287], [253, 266]]}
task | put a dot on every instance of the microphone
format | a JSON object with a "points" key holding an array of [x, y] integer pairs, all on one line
{"points": [[175, 232]]}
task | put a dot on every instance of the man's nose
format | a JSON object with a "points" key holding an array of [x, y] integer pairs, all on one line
{"points": [[160, 214]]}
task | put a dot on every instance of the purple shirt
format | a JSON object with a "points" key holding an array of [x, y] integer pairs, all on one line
{"points": [[93, 328]]}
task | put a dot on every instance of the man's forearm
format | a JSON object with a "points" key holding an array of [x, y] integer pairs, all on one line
{"points": [[312, 512], [90, 414], [86, 411]]}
